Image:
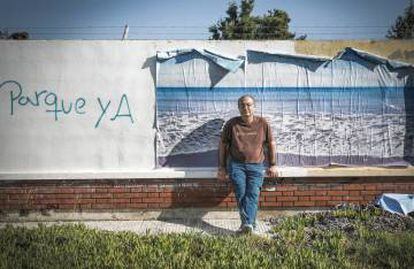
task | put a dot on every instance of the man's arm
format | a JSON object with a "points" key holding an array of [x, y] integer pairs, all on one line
{"points": [[272, 171], [223, 153]]}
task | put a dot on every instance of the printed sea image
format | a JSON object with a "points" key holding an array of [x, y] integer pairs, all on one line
{"points": [[312, 126]]}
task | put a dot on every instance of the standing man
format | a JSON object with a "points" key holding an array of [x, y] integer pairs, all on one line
{"points": [[243, 142]]}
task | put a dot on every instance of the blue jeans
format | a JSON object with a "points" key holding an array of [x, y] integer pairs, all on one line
{"points": [[247, 179]]}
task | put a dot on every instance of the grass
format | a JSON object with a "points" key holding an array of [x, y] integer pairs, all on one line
{"points": [[303, 241]]}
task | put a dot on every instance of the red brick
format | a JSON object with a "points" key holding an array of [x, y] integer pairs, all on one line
{"points": [[320, 193], [304, 193], [165, 205], [338, 193], [43, 190], [370, 187], [123, 195], [370, 192], [320, 198], [122, 205], [386, 187], [286, 188], [353, 187], [118, 190], [67, 206], [152, 200], [15, 190], [81, 195], [86, 200], [271, 204], [321, 203], [18, 202], [86, 206], [336, 187], [20, 196], [337, 198], [152, 188], [101, 190], [153, 194], [304, 203], [137, 189], [287, 204], [270, 198], [54, 201], [121, 201], [353, 198], [333, 203], [102, 206], [138, 205], [354, 193], [273, 193], [84, 190], [101, 195], [138, 195], [287, 198], [103, 201], [60, 195], [304, 198], [166, 194], [288, 193], [369, 197]]}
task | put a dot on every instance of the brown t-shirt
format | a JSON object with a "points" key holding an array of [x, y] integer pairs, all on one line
{"points": [[246, 141]]}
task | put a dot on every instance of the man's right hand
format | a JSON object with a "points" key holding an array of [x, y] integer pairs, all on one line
{"points": [[221, 174]]}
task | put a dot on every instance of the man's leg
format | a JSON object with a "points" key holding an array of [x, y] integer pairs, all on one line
{"points": [[254, 184], [237, 176]]}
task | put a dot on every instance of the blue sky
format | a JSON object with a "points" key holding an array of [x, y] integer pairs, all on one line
{"points": [[189, 19]]}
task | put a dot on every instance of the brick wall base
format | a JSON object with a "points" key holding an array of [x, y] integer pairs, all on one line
{"points": [[76, 195]]}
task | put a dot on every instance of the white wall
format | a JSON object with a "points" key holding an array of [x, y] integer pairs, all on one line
{"points": [[36, 142]]}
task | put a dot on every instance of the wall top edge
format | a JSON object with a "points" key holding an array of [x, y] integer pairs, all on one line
{"points": [[210, 173]]}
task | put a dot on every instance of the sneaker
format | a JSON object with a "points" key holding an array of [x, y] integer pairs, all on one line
{"points": [[240, 229], [245, 229]]}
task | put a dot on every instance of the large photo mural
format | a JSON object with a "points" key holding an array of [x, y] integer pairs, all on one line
{"points": [[353, 110]]}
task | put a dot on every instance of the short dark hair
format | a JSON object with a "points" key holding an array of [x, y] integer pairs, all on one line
{"points": [[244, 97]]}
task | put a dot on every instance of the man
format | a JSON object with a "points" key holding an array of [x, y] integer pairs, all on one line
{"points": [[243, 142]]}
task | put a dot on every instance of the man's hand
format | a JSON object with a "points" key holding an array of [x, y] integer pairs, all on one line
{"points": [[272, 171], [221, 174]]}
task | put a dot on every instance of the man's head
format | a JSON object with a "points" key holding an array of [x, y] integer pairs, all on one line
{"points": [[246, 105]]}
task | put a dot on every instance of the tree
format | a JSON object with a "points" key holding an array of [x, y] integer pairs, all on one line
{"points": [[243, 25], [404, 25]]}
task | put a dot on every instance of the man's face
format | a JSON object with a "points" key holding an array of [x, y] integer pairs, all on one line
{"points": [[246, 107]]}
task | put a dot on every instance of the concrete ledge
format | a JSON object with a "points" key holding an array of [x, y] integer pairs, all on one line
{"points": [[211, 173]]}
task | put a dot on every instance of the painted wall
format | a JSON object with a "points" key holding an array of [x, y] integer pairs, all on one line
{"points": [[85, 106], [89, 106]]}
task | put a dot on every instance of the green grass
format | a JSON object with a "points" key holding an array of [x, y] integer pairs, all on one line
{"points": [[297, 242]]}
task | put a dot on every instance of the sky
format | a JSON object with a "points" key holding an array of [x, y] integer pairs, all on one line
{"points": [[190, 19]]}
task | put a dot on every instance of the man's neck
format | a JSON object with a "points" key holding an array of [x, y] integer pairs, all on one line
{"points": [[248, 119]]}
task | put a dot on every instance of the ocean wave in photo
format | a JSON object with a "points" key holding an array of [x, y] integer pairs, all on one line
{"points": [[313, 135]]}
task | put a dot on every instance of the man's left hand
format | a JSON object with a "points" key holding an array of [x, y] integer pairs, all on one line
{"points": [[272, 171]]}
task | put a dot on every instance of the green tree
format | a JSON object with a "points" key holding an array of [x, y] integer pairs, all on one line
{"points": [[404, 25], [243, 25]]}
